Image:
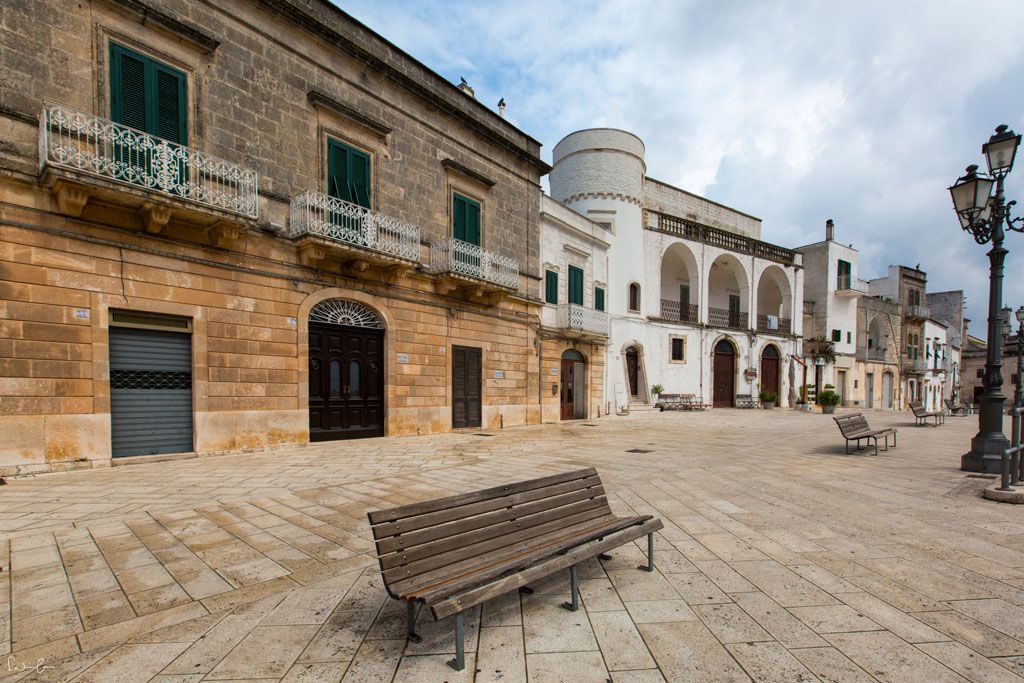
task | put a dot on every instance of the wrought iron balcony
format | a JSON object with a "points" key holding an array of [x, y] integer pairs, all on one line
{"points": [[353, 229], [915, 365], [92, 147], [684, 313], [874, 355], [723, 317], [464, 260], [847, 285], [770, 324], [587, 321], [921, 312]]}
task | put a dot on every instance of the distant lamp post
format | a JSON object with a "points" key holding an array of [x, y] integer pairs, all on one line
{"points": [[1018, 393], [986, 217]]}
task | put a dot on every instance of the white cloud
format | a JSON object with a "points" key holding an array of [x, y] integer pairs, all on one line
{"points": [[796, 112]]}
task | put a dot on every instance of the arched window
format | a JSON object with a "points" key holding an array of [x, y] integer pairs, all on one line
{"points": [[634, 297]]}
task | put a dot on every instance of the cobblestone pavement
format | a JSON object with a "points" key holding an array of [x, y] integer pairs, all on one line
{"points": [[782, 558]]}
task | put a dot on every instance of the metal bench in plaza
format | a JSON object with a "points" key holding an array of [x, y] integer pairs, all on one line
{"points": [[454, 553], [921, 415], [679, 402], [746, 401], [855, 427], [962, 410]]}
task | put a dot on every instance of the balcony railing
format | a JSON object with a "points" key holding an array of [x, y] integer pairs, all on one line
{"points": [[917, 312], [875, 355], [468, 260], [915, 365], [316, 214], [723, 317], [847, 285], [81, 142], [674, 310], [716, 237], [773, 324], [581, 319]]}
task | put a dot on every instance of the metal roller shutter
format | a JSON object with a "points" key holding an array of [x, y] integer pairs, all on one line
{"points": [[150, 391]]}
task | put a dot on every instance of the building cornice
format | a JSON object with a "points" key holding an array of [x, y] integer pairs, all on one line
{"points": [[146, 14]]}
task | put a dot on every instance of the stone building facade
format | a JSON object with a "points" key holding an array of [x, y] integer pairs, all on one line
{"points": [[259, 222], [879, 341], [906, 286], [697, 302]]}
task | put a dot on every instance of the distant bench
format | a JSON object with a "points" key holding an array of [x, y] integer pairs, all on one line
{"points": [[921, 415], [855, 428], [454, 553], [746, 401], [679, 402]]}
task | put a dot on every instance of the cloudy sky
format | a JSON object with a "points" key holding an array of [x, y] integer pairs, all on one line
{"points": [[863, 112]]}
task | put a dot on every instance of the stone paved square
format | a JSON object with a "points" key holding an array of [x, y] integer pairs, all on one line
{"points": [[782, 559]]}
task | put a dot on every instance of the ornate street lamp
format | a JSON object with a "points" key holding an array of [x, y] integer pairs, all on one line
{"points": [[986, 217]]}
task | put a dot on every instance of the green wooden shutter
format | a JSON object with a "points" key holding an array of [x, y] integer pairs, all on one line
{"points": [[472, 222], [465, 219], [338, 171], [550, 287], [127, 87], [598, 298], [734, 304], [459, 217], [684, 297], [169, 107], [359, 176], [575, 285]]}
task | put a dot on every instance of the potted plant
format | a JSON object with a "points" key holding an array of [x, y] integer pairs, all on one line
{"points": [[656, 390], [768, 399], [828, 400]]}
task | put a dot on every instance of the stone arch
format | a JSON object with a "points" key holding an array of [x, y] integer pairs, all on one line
{"points": [[728, 278], [680, 278], [774, 298]]}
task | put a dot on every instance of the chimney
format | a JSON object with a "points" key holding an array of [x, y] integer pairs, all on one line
{"points": [[501, 107], [464, 87], [830, 230]]}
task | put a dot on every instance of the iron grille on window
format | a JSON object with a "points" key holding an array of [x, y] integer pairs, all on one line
{"points": [[150, 379]]}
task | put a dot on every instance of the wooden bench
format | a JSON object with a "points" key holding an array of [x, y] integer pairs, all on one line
{"points": [[855, 427], [962, 410], [746, 401], [454, 553], [921, 415], [679, 402]]}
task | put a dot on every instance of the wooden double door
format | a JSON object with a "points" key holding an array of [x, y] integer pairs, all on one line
{"points": [[346, 382], [467, 379], [724, 370], [574, 387]]}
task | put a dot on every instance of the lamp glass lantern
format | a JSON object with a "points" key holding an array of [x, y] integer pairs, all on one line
{"points": [[971, 195], [1000, 151], [1020, 314]]}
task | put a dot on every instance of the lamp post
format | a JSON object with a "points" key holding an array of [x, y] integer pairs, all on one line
{"points": [[1018, 394], [986, 217]]}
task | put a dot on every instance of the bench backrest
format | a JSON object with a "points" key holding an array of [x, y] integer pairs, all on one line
{"points": [[413, 540], [743, 396], [851, 425], [918, 409]]}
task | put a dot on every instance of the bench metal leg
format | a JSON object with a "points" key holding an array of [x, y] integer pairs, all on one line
{"points": [[459, 663], [604, 556], [649, 567], [574, 588], [410, 623], [525, 590]]}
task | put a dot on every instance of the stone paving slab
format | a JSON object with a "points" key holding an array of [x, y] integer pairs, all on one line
{"points": [[782, 558]]}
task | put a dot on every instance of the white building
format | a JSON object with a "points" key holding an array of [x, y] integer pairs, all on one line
{"points": [[831, 288], [574, 324], [698, 304], [937, 352]]}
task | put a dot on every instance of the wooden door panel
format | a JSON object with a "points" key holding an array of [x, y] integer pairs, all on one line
{"points": [[467, 376], [724, 382], [335, 411]]}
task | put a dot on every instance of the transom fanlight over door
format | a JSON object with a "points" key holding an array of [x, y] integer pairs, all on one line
{"points": [[345, 312]]}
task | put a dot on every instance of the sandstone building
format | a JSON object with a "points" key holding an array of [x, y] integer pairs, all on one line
{"points": [[228, 225], [697, 302]]}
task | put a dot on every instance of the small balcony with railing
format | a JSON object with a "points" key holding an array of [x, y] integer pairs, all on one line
{"points": [[850, 286], [675, 311], [915, 365], [917, 312], [582, 322], [463, 265], [84, 157], [728, 319], [773, 324], [871, 355], [326, 228]]}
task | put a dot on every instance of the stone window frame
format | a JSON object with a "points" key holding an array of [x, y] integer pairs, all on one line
{"points": [[671, 339], [629, 297], [470, 187]]}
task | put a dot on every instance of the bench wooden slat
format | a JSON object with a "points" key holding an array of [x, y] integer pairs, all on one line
{"points": [[442, 516], [512, 548], [392, 514], [525, 559], [482, 539], [410, 540], [475, 596]]}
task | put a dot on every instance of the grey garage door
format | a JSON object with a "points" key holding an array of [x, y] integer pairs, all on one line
{"points": [[150, 391]]}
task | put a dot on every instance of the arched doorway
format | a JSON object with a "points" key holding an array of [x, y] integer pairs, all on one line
{"points": [[770, 369], [346, 371], [574, 385], [633, 371], [724, 370]]}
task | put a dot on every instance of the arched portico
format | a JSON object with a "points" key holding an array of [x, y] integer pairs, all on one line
{"points": [[728, 294], [680, 284], [774, 301]]}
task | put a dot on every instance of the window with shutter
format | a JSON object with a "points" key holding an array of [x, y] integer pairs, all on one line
{"points": [[598, 298], [148, 95], [550, 287], [348, 173], [575, 285], [466, 219], [837, 335]]}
